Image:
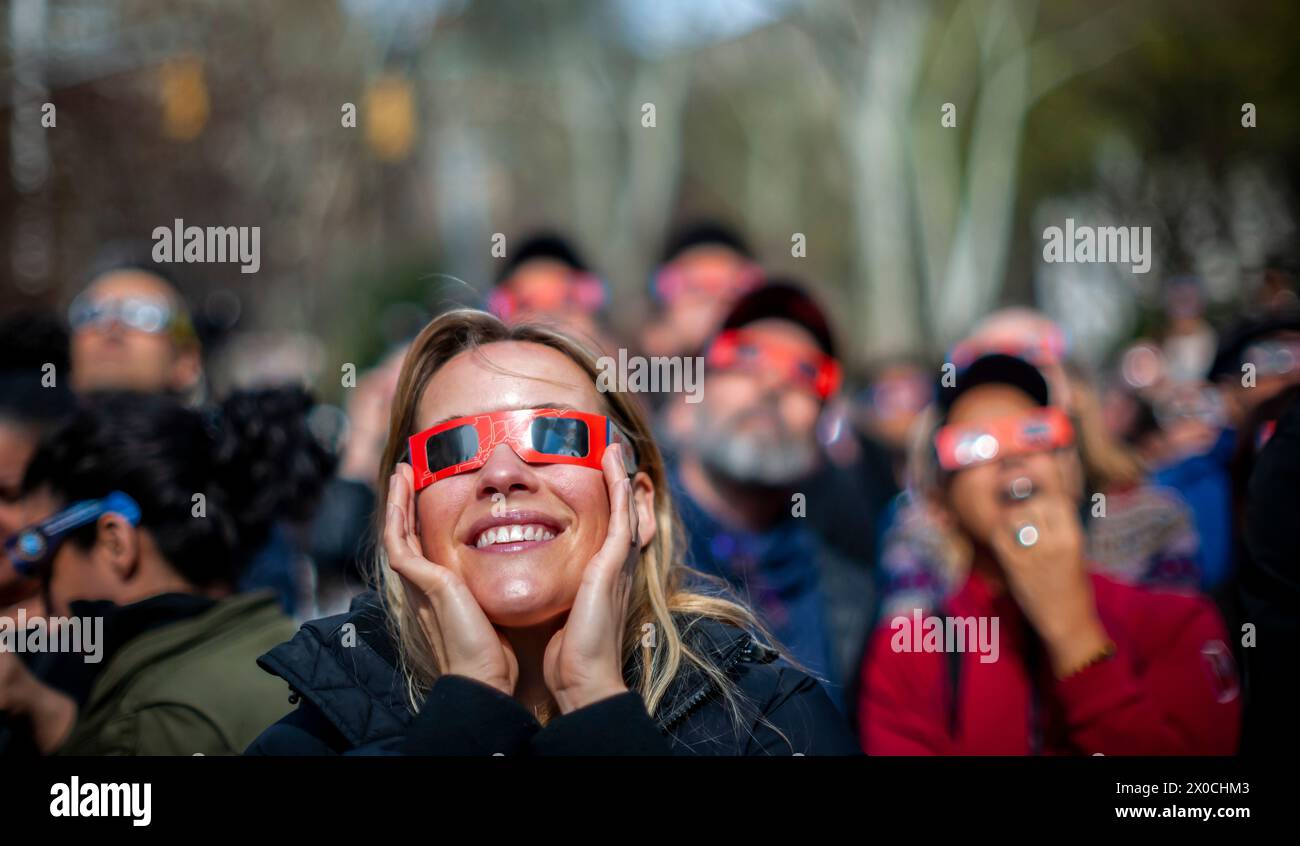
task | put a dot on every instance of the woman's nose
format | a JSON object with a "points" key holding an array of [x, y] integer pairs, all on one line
{"points": [[505, 473], [1014, 461], [1012, 467]]}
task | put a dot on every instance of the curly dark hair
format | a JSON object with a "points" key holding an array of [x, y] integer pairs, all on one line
{"points": [[254, 459]]}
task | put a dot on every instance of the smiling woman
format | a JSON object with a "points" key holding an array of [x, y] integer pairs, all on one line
{"points": [[533, 598]]}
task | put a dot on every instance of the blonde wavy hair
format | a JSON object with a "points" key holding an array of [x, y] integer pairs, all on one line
{"points": [[659, 589]]}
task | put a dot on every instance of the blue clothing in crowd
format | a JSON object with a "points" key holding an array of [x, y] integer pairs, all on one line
{"points": [[274, 566], [1205, 481], [775, 571]]}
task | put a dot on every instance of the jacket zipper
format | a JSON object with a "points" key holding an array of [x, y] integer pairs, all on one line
{"points": [[739, 652]]}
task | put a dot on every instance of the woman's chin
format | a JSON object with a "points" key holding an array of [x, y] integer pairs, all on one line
{"points": [[520, 603]]}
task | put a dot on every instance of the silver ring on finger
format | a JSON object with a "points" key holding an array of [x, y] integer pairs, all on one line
{"points": [[1027, 535]]}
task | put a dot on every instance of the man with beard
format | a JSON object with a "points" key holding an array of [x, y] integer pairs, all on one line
{"points": [[743, 455]]}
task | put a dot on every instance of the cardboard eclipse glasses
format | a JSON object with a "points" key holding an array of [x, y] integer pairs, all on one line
{"points": [[583, 292], [961, 446], [737, 349], [537, 435]]}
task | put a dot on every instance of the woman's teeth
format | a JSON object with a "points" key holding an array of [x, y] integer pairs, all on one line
{"points": [[513, 534]]}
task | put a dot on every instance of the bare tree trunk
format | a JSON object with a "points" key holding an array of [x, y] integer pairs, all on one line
{"points": [[977, 262], [884, 299], [966, 226], [32, 248], [654, 163]]}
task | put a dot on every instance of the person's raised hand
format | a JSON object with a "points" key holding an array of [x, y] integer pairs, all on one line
{"points": [[584, 659], [1040, 546], [464, 641]]}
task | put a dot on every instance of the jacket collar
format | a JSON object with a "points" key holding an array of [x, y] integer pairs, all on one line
{"points": [[196, 622], [347, 666], [726, 646]]}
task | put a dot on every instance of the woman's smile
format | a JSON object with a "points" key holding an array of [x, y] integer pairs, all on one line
{"points": [[513, 531]]}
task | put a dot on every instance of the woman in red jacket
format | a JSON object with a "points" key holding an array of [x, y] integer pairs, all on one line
{"points": [[1077, 663]]}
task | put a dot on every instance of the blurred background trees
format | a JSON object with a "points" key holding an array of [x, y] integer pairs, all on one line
{"points": [[822, 118]]}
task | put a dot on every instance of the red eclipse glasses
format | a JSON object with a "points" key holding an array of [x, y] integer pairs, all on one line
{"points": [[738, 349], [537, 435], [960, 446], [672, 281], [583, 292]]}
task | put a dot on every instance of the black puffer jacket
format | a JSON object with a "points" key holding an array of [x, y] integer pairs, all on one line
{"points": [[352, 700]]}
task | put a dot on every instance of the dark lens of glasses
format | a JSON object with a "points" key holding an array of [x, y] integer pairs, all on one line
{"points": [[452, 447], [560, 436]]}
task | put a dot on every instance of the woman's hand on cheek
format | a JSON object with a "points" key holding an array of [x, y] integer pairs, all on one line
{"points": [[584, 660], [464, 641]]}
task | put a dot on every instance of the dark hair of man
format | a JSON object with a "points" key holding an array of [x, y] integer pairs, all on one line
{"points": [[253, 459]]}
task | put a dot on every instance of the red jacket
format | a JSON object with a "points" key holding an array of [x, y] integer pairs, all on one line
{"points": [[1169, 689]]}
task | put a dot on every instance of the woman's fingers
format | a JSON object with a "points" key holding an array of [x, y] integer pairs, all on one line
{"points": [[1003, 543], [634, 522], [462, 638], [401, 492], [407, 477], [1006, 537], [601, 580], [394, 534], [1057, 514], [442, 599], [620, 487], [1030, 511], [512, 660], [403, 545], [583, 661], [618, 535], [1045, 515]]}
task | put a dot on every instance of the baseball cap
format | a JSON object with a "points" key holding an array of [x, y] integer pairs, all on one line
{"points": [[543, 245], [993, 369], [783, 300], [705, 233]]}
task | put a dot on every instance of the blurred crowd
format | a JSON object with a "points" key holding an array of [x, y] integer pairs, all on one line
{"points": [[1128, 526]]}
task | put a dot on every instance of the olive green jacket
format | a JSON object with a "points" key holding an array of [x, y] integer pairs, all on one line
{"points": [[188, 688]]}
